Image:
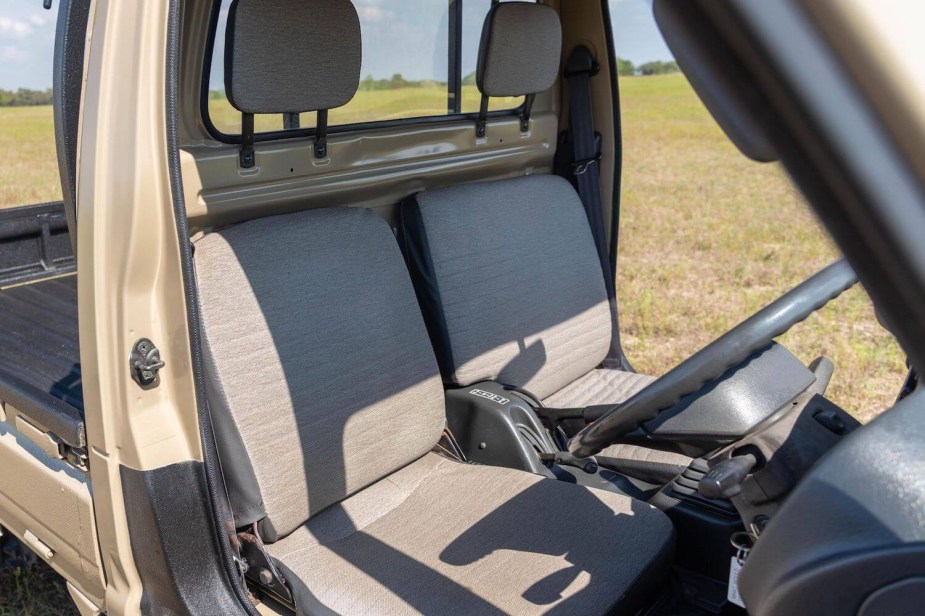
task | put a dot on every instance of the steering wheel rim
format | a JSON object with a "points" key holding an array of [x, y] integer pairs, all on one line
{"points": [[713, 360]]}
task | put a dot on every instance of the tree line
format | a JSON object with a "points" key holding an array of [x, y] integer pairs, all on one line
{"points": [[625, 68], [24, 97]]}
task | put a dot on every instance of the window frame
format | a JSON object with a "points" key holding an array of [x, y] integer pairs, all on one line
{"points": [[454, 99]]}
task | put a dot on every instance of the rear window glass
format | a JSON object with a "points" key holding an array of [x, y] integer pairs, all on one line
{"points": [[412, 64]]}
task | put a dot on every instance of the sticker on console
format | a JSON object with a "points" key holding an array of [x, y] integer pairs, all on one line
{"points": [[493, 397]]}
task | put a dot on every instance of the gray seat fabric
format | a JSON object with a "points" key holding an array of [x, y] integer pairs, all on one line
{"points": [[318, 360], [510, 282], [606, 386], [314, 346], [512, 291], [599, 386], [519, 51], [266, 39], [431, 539]]}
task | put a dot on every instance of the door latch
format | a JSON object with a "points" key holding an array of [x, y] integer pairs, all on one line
{"points": [[145, 362]]}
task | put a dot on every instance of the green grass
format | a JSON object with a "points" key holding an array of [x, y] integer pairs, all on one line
{"points": [[707, 237]]}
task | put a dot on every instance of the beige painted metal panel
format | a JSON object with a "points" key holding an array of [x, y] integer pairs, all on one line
{"points": [[130, 282], [369, 169], [48, 505], [374, 168]]}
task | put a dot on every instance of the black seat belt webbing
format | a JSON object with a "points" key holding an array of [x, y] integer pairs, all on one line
{"points": [[585, 166]]}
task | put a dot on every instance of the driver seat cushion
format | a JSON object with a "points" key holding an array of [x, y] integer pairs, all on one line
{"points": [[431, 539], [608, 386]]}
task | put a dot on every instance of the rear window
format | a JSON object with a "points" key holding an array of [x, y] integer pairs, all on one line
{"points": [[419, 61]]}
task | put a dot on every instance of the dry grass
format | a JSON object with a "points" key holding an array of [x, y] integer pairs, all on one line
{"points": [[366, 106], [708, 237], [34, 591], [29, 171]]}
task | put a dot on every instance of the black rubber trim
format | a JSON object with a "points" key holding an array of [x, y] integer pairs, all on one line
{"points": [[617, 174], [302, 133], [173, 540], [70, 42], [51, 413], [228, 586]]}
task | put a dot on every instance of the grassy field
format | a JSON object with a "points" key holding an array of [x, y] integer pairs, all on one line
{"points": [[707, 238], [366, 106], [29, 173]]}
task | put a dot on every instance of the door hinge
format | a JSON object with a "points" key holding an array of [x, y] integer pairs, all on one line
{"points": [[145, 362]]}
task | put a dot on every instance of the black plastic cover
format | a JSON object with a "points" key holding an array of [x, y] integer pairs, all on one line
{"points": [[497, 427], [732, 406], [853, 526], [720, 80], [174, 541]]}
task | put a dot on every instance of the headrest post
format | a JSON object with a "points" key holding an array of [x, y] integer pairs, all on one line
{"points": [[290, 120], [247, 158], [483, 118], [321, 134], [525, 113]]}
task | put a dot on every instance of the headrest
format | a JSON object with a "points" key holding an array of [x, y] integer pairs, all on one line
{"points": [[291, 56], [520, 50]]}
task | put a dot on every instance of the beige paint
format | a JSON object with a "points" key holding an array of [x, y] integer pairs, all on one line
{"points": [[130, 281], [881, 47], [131, 284], [47, 504], [371, 168]]}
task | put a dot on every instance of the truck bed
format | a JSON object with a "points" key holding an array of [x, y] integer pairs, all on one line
{"points": [[40, 355]]}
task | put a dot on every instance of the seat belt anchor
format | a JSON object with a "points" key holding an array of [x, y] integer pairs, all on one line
{"points": [[580, 62], [580, 167]]}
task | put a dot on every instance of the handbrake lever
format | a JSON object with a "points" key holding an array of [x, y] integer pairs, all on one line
{"points": [[725, 479], [564, 458]]}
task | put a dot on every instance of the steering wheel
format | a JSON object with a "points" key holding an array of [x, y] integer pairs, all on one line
{"points": [[713, 360]]}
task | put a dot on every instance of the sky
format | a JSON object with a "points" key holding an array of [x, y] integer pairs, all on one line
{"points": [[394, 40]]}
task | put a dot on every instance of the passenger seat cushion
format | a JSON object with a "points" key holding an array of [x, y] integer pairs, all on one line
{"points": [[441, 537], [317, 354], [510, 282]]}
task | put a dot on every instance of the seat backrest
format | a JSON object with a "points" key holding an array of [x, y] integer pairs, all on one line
{"points": [[510, 282], [317, 356], [319, 373], [507, 272]]}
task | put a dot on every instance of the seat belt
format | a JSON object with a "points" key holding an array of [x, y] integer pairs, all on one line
{"points": [[579, 69]]}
